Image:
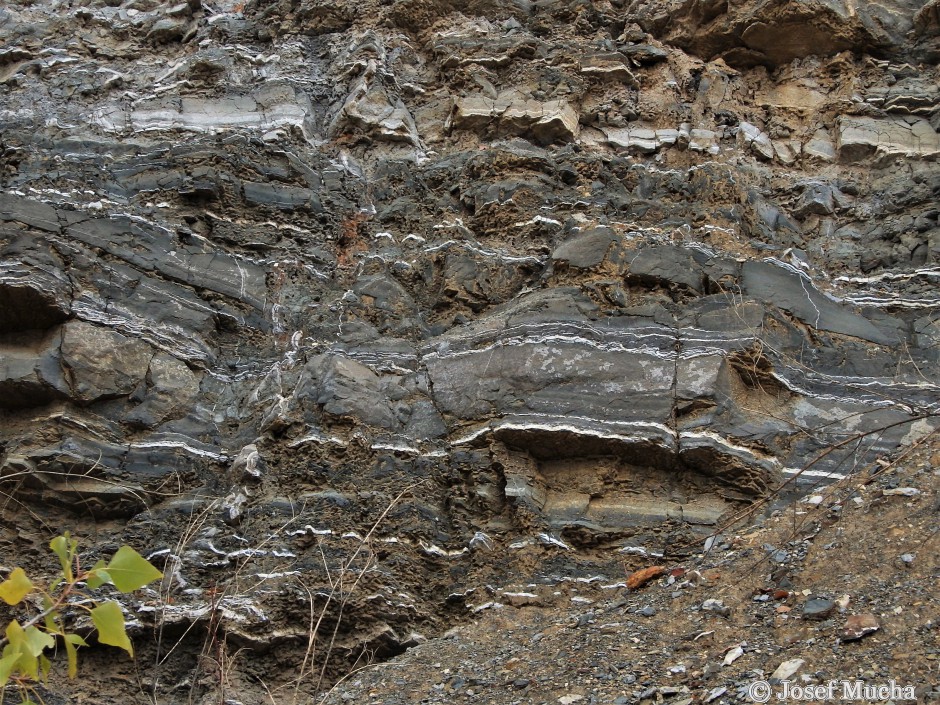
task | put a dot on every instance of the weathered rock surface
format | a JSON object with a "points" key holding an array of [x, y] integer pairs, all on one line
{"points": [[554, 274], [513, 113]]}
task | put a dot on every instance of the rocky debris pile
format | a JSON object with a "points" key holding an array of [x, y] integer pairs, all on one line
{"points": [[409, 291], [836, 602]]}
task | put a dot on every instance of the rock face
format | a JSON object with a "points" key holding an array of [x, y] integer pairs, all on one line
{"points": [[555, 276]]}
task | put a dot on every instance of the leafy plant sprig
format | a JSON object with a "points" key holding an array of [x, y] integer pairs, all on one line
{"points": [[23, 660]]}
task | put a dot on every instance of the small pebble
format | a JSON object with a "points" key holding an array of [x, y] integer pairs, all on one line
{"points": [[818, 608]]}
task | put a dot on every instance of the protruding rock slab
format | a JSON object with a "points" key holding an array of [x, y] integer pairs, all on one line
{"points": [[237, 112], [794, 291], [514, 114], [31, 372], [861, 138]]}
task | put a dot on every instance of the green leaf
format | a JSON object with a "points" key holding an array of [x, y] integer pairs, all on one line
{"points": [[37, 640], [6, 665], [45, 665], [64, 548], [72, 654], [16, 637], [97, 576], [75, 639], [16, 587], [25, 663], [72, 641], [109, 620], [52, 626], [129, 570]]}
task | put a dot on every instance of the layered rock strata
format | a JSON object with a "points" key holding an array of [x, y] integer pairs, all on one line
{"points": [[603, 273]]}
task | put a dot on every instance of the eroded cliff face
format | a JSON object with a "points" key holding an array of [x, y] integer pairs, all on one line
{"points": [[510, 285]]}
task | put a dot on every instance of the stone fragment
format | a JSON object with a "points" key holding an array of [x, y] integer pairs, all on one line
{"points": [[480, 542], [474, 112], [817, 199], [699, 140], [786, 669], [370, 109], [667, 266], [546, 122], [733, 655], [858, 626], [901, 492], [248, 464], [277, 195], [167, 30], [787, 151], [640, 140], [236, 112], [789, 95], [233, 507], [170, 387], [644, 54], [344, 387], [791, 290], [818, 608], [522, 599], [715, 693], [716, 606], [586, 249]]}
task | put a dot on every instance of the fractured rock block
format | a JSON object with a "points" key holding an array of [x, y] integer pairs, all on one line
{"points": [[369, 108], [346, 388], [101, 363], [30, 373], [791, 291], [211, 115], [612, 65], [820, 147], [698, 140], [171, 387], [860, 138], [545, 122], [585, 250], [758, 140], [640, 140], [30, 300], [787, 151]]}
